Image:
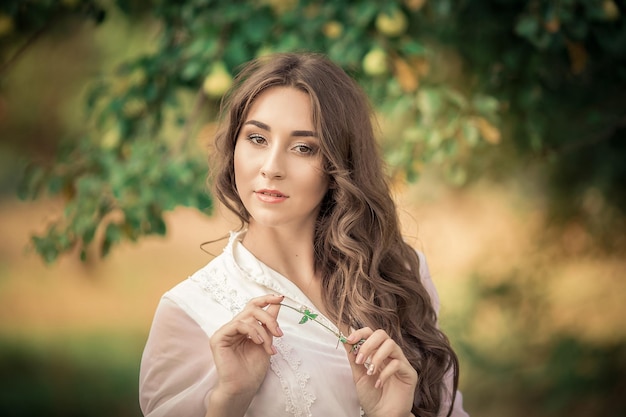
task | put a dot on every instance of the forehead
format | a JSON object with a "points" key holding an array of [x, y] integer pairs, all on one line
{"points": [[282, 104]]}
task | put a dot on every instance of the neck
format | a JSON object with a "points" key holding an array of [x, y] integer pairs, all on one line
{"points": [[290, 253]]}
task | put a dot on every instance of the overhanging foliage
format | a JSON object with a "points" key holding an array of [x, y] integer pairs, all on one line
{"points": [[451, 80]]}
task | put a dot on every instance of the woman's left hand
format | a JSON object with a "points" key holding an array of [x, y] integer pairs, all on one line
{"points": [[384, 378]]}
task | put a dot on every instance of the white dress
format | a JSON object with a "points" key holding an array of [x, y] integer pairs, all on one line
{"points": [[310, 375]]}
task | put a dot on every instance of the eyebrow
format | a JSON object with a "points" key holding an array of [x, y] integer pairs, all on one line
{"points": [[261, 125]]}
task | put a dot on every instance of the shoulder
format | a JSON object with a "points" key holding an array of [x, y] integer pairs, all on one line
{"points": [[194, 282], [202, 295]]}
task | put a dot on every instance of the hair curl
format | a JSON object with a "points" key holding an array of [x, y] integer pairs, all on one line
{"points": [[363, 261]]}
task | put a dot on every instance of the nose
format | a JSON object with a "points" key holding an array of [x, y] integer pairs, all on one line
{"points": [[273, 164]]}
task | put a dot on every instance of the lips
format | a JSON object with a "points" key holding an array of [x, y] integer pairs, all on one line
{"points": [[270, 196], [271, 193]]}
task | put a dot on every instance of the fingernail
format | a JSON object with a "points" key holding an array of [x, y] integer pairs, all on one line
{"points": [[259, 338], [274, 350], [359, 358], [279, 331], [378, 383]]}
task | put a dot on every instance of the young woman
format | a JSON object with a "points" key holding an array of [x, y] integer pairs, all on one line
{"points": [[316, 307]]}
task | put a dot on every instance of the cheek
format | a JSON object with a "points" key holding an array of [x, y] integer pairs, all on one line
{"points": [[319, 184], [239, 161], [324, 177]]}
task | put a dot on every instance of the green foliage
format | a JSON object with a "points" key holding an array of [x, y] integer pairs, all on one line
{"points": [[123, 191], [561, 73], [451, 80], [53, 383]]}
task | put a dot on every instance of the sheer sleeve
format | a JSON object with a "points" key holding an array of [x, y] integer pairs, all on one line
{"points": [[457, 411], [176, 368]]}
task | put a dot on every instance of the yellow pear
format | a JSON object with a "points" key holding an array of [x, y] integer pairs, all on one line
{"points": [[375, 62], [219, 80], [392, 24]]}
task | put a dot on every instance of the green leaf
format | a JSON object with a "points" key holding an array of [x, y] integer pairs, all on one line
{"points": [[45, 246], [112, 235], [310, 315], [411, 174], [485, 105], [31, 183], [365, 13], [429, 103], [192, 69], [527, 27], [259, 28], [157, 224], [412, 47], [470, 133]]}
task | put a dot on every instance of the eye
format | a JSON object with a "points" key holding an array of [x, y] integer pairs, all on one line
{"points": [[304, 149], [256, 139]]}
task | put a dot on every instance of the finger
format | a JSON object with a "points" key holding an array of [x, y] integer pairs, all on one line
{"points": [[255, 309], [385, 352], [260, 336], [263, 334], [356, 339], [265, 300], [236, 330], [379, 358], [266, 317], [354, 342], [359, 334], [401, 369], [272, 311], [370, 346], [390, 369]]}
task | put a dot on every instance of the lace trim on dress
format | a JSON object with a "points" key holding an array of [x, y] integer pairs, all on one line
{"points": [[254, 272], [216, 285], [299, 402]]}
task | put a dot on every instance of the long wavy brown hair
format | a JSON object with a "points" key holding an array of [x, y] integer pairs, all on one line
{"points": [[368, 271]]}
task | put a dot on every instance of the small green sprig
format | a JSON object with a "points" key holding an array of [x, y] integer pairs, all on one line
{"points": [[308, 315]]}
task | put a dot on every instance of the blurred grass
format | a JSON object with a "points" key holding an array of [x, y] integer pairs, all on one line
{"points": [[76, 375]]}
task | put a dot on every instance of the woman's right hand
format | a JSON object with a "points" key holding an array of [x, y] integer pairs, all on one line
{"points": [[242, 348]]}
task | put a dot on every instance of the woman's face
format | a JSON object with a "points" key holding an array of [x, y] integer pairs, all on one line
{"points": [[278, 161]]}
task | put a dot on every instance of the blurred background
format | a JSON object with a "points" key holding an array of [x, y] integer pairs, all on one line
{"points": [[503, 124]]}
